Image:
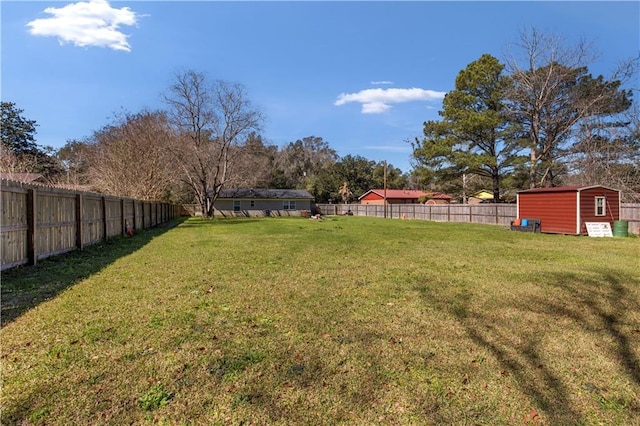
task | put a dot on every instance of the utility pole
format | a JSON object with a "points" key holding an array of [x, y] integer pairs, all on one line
{"points": [[384, 180], [464, 187]]}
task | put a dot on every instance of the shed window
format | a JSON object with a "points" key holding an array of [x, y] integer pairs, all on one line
{"points": [[289, 205], [253, 203], [236, 205], [600, 203]]}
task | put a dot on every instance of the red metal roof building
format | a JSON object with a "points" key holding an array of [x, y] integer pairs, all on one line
{"points": [[564, 210], [403, 196]]}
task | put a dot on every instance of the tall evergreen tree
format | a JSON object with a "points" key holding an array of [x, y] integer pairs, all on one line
{"points": [[17, 131], [475, 135]]}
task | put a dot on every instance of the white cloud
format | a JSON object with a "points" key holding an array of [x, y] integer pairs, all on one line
{"points": [[92, 23], [374, 107], [380, 82], [376, 101]]}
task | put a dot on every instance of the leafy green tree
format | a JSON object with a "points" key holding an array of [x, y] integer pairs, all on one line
{"points": [[299, 163], [351, 176], [475, 136], [253, 163], [17, 131], [19, 147], [395, 178]]}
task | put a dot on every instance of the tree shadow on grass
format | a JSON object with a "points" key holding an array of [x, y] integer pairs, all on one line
{"points": [[199, 222], [607, 309], [25, 287], [602, 302]]}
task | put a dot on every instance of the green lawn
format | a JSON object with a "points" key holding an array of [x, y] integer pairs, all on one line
{"points": [[348, 320]]}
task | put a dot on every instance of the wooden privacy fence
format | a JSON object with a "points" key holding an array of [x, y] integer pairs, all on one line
{"points": [[41, 221], [490, 214], [631, 213], [495, 214]]}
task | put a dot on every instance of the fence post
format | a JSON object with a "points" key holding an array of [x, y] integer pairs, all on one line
{"points": [[31, 226], [122, 227], [134, 215], [104, 217], [79, 236]]}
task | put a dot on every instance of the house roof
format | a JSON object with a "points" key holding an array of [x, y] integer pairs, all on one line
{"points": [[248, 193], [22, 177], [565, 189], [406, 194], [483, 195]]}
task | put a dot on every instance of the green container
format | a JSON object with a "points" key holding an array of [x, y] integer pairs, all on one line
{"points": [[620, 228]]}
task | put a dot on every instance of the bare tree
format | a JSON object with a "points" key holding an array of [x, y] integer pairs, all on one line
{"points": [[553, 93], [212, 120], [132, 157], [345, 193], [11, 163], [608, 153]]}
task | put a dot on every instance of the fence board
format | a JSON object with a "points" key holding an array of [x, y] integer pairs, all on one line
{"points": [[56, 229], [40, 221], [92, 220], [14, 226], [114, 217]]}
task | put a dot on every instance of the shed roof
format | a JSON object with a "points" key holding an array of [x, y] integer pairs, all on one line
{"points": [[565, 189], [248, 193]]}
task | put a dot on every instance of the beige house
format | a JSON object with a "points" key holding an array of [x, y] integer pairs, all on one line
{"points": [[267, 202], [480, 196]]}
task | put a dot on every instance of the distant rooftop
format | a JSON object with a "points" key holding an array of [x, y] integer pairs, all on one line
{"points": [[265, 193]]}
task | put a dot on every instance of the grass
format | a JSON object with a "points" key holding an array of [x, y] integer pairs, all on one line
{"points": [[349, 320]]}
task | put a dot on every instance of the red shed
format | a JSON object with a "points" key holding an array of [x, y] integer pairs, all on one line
{"points": [[565, 209]]}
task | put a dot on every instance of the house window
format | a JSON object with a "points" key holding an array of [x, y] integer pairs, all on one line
{"points": [[236, 205], [289, 205], [253, 203], [600, 211]]}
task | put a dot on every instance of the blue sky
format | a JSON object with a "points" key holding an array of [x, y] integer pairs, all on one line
{"points": [[364, 76]]}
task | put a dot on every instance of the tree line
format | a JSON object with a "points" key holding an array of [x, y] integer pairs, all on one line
{"points": [[208, 138], [541, 119]]}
